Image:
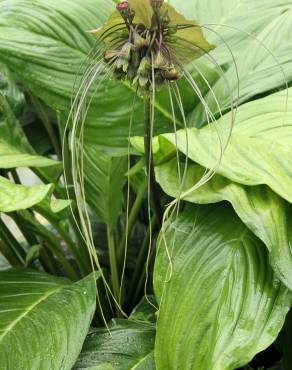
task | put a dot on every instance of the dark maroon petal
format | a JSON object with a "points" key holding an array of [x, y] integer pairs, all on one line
{"points": [[123, 6]]}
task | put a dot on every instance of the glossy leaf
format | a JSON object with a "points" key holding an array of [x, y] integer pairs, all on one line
{"points": [[15, 151], [104, 177], [258, 151], [128, 345], [191, 43], [145, 310], [248, 16], [15, 197], [48, 47], [44, 319], [221, 303], [11, 90], [4, 264], [262, 66], [264, 212]]}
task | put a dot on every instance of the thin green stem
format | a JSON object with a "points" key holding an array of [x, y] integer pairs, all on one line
{"points": [[139, 273], [9, 253], [66, 237], [10, 240], [49, 240], [132, 217], [47, 124], [142, 279], [153, 190], [113, 266], [46, 259]]}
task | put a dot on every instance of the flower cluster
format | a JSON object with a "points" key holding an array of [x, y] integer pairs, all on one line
{"points": [[147, 42]]}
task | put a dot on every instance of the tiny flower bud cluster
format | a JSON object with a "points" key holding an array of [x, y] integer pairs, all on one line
{"points": [[143, 58], [157, 4]]}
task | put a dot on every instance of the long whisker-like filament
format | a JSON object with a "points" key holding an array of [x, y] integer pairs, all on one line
{"points": [[262, 44], [233, 106], [128, 196], [175, 129]]}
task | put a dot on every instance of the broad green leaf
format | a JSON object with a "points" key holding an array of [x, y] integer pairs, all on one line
{"points": [[10, 90], [285, 343], [44, 319], [249, 16], [33, 254], [191, 43], [264, 212], [259, 150], [126, 345], [11, 157], [104, 178], [59, 205], [15, 197], [4, 264], [15, 151], [145, 310], [261, 67], [220, 302], [48, 47]]}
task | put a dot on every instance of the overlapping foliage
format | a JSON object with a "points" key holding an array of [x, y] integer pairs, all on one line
{"points": [[222, 276]]}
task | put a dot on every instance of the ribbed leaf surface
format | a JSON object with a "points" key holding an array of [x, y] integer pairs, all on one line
{"points": [[259, 151], [263, 65], [104, 181], [128, 346], [15, 151], [263, 211], [18, 197], [43, 319], [46, 42], [222, 303]]}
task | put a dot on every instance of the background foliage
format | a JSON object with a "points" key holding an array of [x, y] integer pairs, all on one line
{"points": [[225, 296]]}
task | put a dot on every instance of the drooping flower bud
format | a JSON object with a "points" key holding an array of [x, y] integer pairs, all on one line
{"points": [[171, 74], [125, 10], [124, 57], [159, 61], [139, 41], [165, 19], [156, 4], [143, 72], [109, 55]]}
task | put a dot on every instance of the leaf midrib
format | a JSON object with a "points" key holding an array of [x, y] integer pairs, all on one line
{"points": [[141, 360], [29, 309]]}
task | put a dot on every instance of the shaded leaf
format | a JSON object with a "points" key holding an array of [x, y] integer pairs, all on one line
{"points": [[47, 49], [248, 16], [264, 212], [4, 264], [285, 343], [129, 345], [191, 43], [15, 151], [222, 298], [145, 310], [33, 254], [259, 151], [44, 319], [262, 66], [15, 197], [10, 90], [104, 178]]}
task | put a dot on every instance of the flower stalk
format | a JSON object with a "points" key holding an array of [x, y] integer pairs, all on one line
{"points": [[153, 188]]}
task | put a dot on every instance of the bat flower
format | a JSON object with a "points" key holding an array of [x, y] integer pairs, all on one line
{"points": [[147, 42]]}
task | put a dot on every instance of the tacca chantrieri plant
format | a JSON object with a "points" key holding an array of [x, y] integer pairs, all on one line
{"points": [[146, 44]]}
